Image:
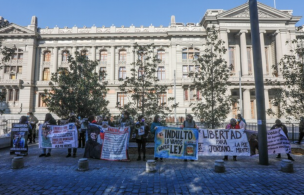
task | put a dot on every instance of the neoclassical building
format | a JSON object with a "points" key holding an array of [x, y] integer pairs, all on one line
{"points": [[42, 50]]}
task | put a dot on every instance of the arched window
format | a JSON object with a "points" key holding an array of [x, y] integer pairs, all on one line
{"points": [[103, 55], [65, 55], [161, 55], [47, 56], [190, 53], [122, 55]]}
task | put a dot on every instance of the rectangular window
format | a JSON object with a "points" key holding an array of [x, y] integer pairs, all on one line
{"points": [[161, 55], [46, 74], [41, 98], [47, 56], [65, 55], [7, 69], [14, 56], [192, 93], [123, 55], [185, 94], [198, 97], [13, 68], [161, 73], [19, 69], [10, 95], [102, 73], [162, 99], [4, 92], [17, 94], [140, 72], [121, 99], [184, 55], [20, 56], [232, 59], [13, 76], [249, 57], [103, 56], [122, 72], [185, 71], [267, 60]]}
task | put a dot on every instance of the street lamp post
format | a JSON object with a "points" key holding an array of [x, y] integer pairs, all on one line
{"points": [[259, 85]]}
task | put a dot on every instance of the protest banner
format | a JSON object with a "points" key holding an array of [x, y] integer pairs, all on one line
{"points": [[176, 143], [115, 144], [278, 142], [19, 138], [58, 136], [221, 142]]}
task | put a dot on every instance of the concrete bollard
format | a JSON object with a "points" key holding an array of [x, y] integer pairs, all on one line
{"points": [[17, 162], [83, 164], [150, 166], [286, 166], [219, 166]]}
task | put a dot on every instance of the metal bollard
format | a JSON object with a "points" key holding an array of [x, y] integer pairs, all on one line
{"points": [[83, 164], [17, 162], [219, 166], [286, 166], [150, 166]]}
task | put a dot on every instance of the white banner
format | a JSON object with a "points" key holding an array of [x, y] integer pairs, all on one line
{"points": [[58, 136], [220, 142], [278, 142]]}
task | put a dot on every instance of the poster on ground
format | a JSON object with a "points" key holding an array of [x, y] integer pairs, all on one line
{"points": [[115, 144], [176, 143], [58, 136], [19, 137], [220, 142], [278, 142]]}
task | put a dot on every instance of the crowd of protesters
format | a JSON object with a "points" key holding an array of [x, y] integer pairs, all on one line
{"points": [[140, 130]]}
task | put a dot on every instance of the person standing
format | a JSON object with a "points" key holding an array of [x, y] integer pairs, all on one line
{"points": [[156, 123], [142, 131], [301, 129], [49, 120], [279, 124], [232, 125], [33, 122], [241, 122], [189, 123], [73, 119]]}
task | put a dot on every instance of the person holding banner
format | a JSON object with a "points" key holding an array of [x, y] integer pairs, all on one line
{"points": [[280, 125], [73, 119], [156, 123], [49, 120], [142, 131], [232, 125], [189, 123]]}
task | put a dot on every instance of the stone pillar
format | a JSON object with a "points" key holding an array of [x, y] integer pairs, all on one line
{"points": [[224, 37], [243, 47], [55, 65], [247, 104], [285, 48], [278, 49], [112, 71], [263, 52], [266, 102], [173, 64]]}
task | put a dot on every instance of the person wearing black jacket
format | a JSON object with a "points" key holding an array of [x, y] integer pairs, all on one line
{"points": [[142, 131], [49, 120], [301, 129], [279, 124]]}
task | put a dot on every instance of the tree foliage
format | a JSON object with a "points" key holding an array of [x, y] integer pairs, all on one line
{"points": [[77, 90], [211, 80], [143, 89], [289, 92]]}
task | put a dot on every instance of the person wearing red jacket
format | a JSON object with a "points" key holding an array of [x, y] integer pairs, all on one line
{"points": [[232, 125]]}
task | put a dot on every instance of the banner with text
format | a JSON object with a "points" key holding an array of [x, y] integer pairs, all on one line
{"points": [[115, 143], [220, 142], [176, 143], [58, 136], [19, 136], [278, 142]]}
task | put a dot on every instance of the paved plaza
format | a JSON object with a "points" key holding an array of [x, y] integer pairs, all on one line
{"points": [[58, 175]]}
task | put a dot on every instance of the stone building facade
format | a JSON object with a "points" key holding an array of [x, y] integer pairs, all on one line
{"points": [[42, 50]]}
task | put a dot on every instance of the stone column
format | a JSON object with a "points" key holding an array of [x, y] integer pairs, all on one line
{"points": [[247, 104], [55, 65], [263, 52], [243, 47], [224, 37], [112, 71], [285, 48], [278, 49], [266, 102], [173, 64]]}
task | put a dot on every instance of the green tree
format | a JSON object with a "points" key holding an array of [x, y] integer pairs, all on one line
{"points": [[289, 92], [143, 89], [77, 90], [211, 80]]}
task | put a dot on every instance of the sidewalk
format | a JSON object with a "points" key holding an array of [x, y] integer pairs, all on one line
{"points": [[58, 175]]}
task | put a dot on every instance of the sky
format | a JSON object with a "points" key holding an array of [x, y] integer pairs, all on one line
{"points": [[122, 12]]}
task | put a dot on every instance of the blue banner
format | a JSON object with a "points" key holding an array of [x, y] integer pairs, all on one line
{"points": [[176, 143]]}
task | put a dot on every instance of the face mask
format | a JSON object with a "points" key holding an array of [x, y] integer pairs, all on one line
{"points": [[238, 120]]}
